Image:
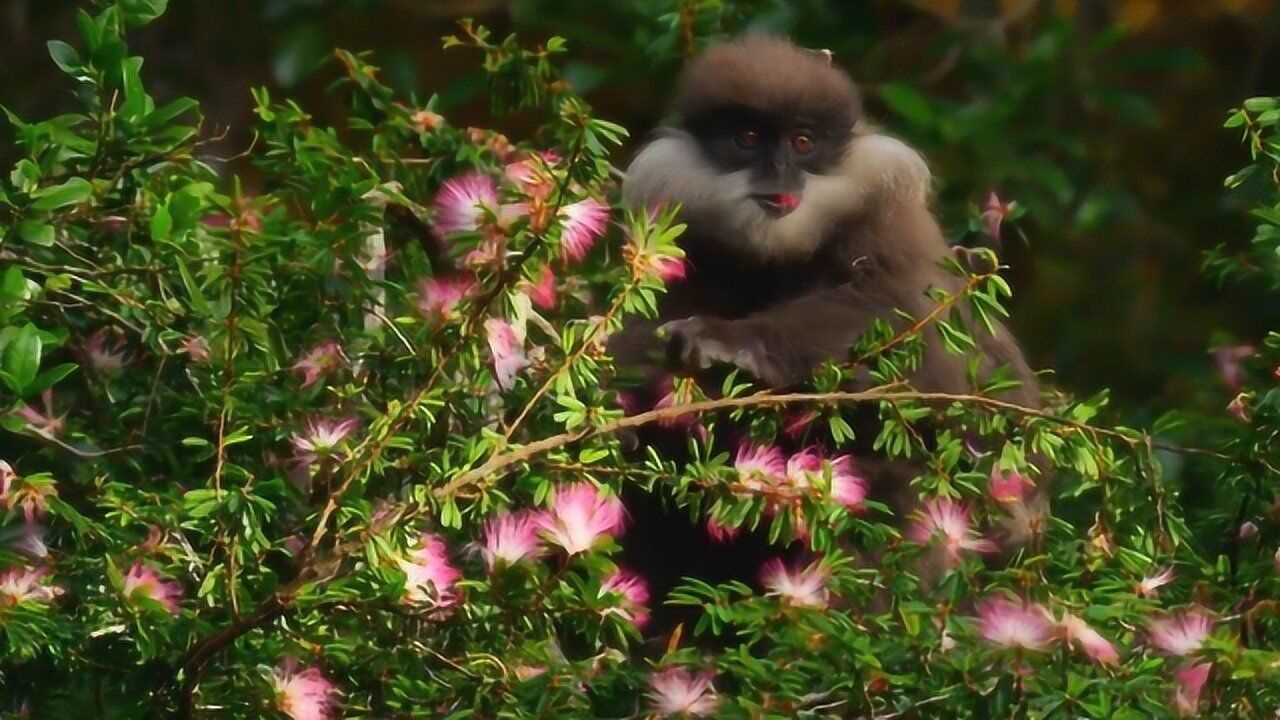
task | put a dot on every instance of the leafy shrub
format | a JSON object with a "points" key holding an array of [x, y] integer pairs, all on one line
{"points": [[349, 446]]}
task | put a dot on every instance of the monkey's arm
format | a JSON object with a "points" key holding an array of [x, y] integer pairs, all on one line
{"points": [[782, 344]]}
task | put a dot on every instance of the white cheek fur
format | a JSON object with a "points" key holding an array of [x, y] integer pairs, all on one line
{"points": [[672, 169]]}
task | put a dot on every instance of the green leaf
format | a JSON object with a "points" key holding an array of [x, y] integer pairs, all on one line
{"points": [[64, 56], [50, 377], [141, 12], [22, 358], [36, 233], [136, 101], [908, 103], [161, 224], [72, 192], [193, 288]]}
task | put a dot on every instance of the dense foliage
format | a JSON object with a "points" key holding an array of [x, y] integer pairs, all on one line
{"points": [[349, 446]]}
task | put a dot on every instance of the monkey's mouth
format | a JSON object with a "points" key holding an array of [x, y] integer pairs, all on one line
{"points": [[777, 204]]}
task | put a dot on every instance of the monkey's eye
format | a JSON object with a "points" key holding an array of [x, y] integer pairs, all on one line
{"points": [[748, 139], [802, 143]]}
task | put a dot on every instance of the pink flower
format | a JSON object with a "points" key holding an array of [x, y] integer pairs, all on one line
{"points": [[1180, 634], [798, 422], [676, 690], [1078, 632], [543, 291], [322, 438], [30, 541], [533, 174], [303, 694], [197, 349], [668, 268], [635, 596], [30, 496], [807, 470], [1004, 623], [760, 466], [463, 202], [1230, 363], [144, 582], [580, 516], [19, 585], [1275, 561], [510, 538], [318, 361], [429, 575], [673, 395], [725, 533], [438, 297], [105, 356], [1147, 588], [805, 587], [1248, 530], [1008, 486], [1191, 680], [994, 213], [949, 520], [45, 422], [584, 222], [508, 351], [1239, 408]]}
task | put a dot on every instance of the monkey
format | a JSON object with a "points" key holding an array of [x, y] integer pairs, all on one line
{"points": [[805, 224]]}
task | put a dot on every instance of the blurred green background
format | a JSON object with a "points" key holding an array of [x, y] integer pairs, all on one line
{"points": [[1101, 117]]}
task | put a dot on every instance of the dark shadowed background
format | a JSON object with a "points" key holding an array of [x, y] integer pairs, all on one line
{"points": [[1101, 117]]}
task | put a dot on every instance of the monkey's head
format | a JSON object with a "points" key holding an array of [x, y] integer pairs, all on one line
{"points": [[771, 111], [765, 158]]}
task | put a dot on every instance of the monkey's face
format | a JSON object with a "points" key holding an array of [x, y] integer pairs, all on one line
{"points": [[771, 157]]}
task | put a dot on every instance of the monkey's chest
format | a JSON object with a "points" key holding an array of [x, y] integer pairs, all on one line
{"points": [[726, 288]]}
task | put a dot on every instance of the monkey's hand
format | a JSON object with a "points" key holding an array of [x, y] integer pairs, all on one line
{"points": [[698, 342]]}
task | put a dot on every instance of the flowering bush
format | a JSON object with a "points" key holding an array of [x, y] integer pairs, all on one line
{"points": [[350, 447]]}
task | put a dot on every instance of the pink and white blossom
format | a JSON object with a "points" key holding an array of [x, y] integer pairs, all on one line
{"points": [[1007, 624], [322, 439], [1150, 584], [429, 576], [1078, 634], [677, 690], [1230, 362], [760, 466], [43, 421], [533, 174], [30, 541], [580, 516], [30, 497], [634, 593], [19, 585], [668, 268], [806, 587], [197, 349], [464, 201], [142, 582], [105, 355], [584, 223], [439, 297], [507, 348], [1191, 680], [948, 522], [721, 533], [1008, 486], [304, 694], [318, 361], [993, 214], [511, 537], [543, 290], [1179, 634]]}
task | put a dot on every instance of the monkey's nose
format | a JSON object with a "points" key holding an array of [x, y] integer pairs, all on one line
{"points": [[778, 204]]}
